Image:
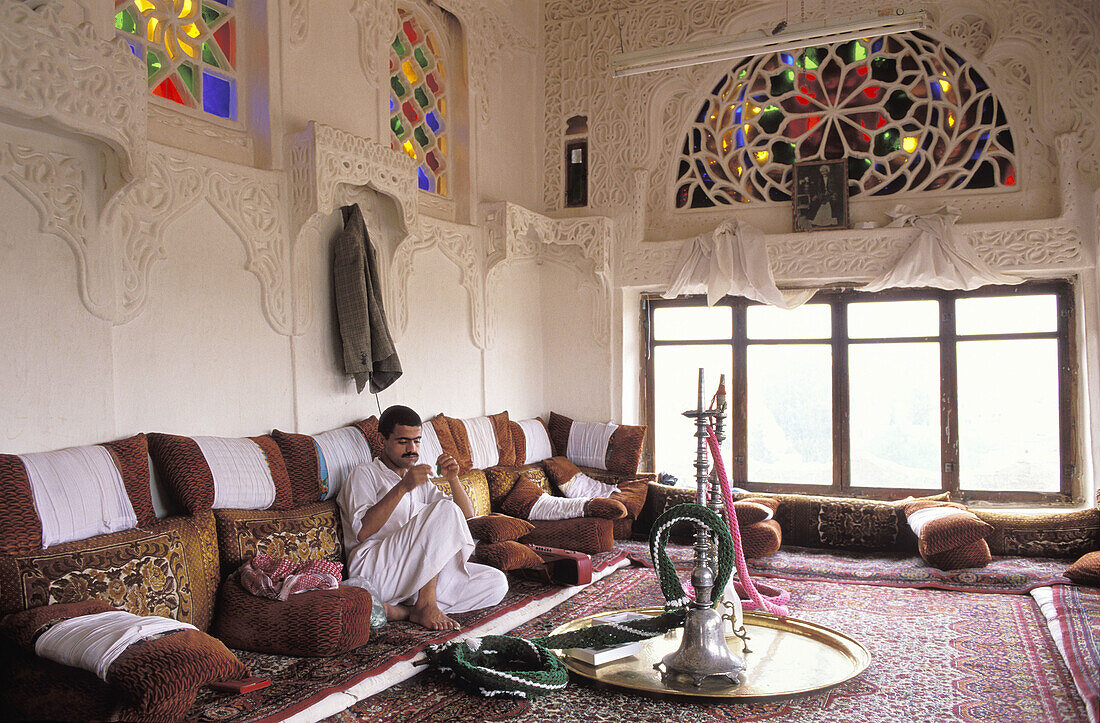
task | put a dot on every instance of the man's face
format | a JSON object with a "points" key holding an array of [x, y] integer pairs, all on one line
{"points": [[402, 447]]}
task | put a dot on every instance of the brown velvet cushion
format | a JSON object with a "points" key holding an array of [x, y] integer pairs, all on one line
{"points": [[160, 677], [496, 527], [521, 499], [19, 518], [632, 494], [624, 449], [499, 481], [761, 539], [1086, 570], [951, 542], [300, 453], [476, 484], [369, 428], [751, 510], [583, 534], [506, 555], [976, 554], [458, 442], [311, 532], [519, 442], [506, 449], [23, 627], [606, 508], [308, 624], [560, 470], [182, 467], [169, 569]]}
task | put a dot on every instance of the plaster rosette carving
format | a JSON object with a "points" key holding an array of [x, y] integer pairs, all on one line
{"points": [[377, 23], [65, 74], [298, 25]]}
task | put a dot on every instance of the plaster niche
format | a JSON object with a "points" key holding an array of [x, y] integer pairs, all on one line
{"points": [[327, 168], [583, 244], [68, 76], [251, 202]]}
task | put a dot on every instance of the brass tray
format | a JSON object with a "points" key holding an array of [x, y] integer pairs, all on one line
{"points": [[787, 657]]}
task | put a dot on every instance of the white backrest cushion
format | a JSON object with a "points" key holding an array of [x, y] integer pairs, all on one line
{"points": [[588, 443], [430, 448], [536, 440], [339, 451], [242, 478], [483, 442]]}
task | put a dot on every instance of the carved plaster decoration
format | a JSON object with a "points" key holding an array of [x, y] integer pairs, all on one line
{"points": [[57, 186], [251, 202], [1041, 58], [377, 23], [185, 124], [67, 74], [298, 21]]}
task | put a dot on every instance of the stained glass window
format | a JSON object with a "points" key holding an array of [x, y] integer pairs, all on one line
{"points": [[189, 48], [418, 104], [906, 112]]}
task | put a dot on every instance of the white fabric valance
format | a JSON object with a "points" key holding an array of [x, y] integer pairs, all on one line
{"points": [[939, 257], [733, 260]]}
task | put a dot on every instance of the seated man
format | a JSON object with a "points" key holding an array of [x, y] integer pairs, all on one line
{"points": [[407, 542]]}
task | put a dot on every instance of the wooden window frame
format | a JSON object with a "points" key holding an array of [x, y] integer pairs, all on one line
{"points": [[838, 300]]}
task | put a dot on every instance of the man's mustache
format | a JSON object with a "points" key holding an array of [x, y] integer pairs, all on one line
{"points": [[411, 454]]}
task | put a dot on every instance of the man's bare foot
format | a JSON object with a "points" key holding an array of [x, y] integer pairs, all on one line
{"points": [[432, 618], [396, 612]]}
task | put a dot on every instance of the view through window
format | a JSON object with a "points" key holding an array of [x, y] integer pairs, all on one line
{"points": [[881, 395]]}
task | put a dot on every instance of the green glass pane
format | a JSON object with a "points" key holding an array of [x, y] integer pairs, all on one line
{"points": [[783, 152], [399, 47], [422, 98], [887, 142], [419, 55], [421, 136], [187, 72], [811, 58], [770, 118], [398, 88], [782, 82], [152, 63], [209, 57], [210, 15], [396, 127], [124, 21]]}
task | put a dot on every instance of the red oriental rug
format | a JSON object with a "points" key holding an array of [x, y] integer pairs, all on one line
{"points": [[936, 656], [1077, 610]]}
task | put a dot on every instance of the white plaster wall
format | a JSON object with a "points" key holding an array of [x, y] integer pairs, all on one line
{"points": [[515, 362], [202, 359]]}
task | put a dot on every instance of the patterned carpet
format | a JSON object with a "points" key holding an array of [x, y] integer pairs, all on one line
{"points": [[1003, 575], [1078, 612], [937, 656]]}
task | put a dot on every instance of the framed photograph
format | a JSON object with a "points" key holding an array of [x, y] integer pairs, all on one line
{"points": [[820, 195]]}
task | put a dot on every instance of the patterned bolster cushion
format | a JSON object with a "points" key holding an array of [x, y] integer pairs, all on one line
{"points": [[624, 448], [1086, 570], [506, 555], [318, 464], [1060, 534], [583, 534], [169, 569], [948, 535], [476, 485], [751, 510], [48, 498], [222, 472], [314, 624], [761, 539], [312, 532], [496, 527]]}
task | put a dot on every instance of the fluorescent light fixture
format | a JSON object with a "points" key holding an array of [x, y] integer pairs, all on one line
{"points": [[794, 37]]}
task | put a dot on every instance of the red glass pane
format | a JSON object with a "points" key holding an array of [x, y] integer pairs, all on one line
{"points": [[432, 161], [410, 111], [168, 90], [432, 82], [226, 38], [410, 31]]}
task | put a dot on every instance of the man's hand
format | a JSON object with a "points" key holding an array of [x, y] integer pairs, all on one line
{"points": [[415, 476], [448, 466]]}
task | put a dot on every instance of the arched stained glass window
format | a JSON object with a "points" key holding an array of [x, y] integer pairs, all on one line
{"points": [[905, 111], [418, 104], [189, 48]]}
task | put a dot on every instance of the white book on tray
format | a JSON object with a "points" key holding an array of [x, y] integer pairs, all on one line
{"points": [[607, 653]]}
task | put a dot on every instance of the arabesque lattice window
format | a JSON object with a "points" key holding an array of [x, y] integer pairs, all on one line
{"points": [[189, 48], [418, 104], [906, 111]]}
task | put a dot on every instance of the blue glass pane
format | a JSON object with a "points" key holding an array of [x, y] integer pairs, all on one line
{"points": [[877, 46], [422, 179], [393, 106], [433, 121], [935, 90], [219, 96], [134, 50], [225, 2], [787, 58]]}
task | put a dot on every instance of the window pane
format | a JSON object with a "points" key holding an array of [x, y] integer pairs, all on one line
{"points": [[895, 415], [790, 414], [809, 321], [1008, 415], [676, 384], [1006, 314], [692, 322], [885, 319]]}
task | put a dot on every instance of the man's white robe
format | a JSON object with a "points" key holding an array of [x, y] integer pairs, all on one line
{"points": [[426, 535]]}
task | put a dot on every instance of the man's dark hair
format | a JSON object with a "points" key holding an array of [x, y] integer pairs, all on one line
{"points": [[394, 416]]}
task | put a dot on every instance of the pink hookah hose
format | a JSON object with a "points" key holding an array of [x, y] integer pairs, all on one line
{"points": [[775, 604]]}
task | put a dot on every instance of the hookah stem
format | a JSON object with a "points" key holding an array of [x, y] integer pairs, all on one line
{"points": [[731, 520]]}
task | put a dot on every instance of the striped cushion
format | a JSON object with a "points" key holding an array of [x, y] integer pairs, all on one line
{"points": [[622, 453], [318, 464], [72, 494], [222, 472]]}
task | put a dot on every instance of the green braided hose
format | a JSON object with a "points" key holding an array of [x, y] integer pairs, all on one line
{"points": [[491, 665]]}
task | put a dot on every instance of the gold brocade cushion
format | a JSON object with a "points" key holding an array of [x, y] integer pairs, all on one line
{"points": [[170, 570], [310, 532], [477, 487]]}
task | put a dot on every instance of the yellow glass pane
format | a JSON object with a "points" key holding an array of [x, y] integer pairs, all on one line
{"points": [[407, 68], [192, 29], [151, 30], [187, 9], [144, 6], [409, 149]]}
